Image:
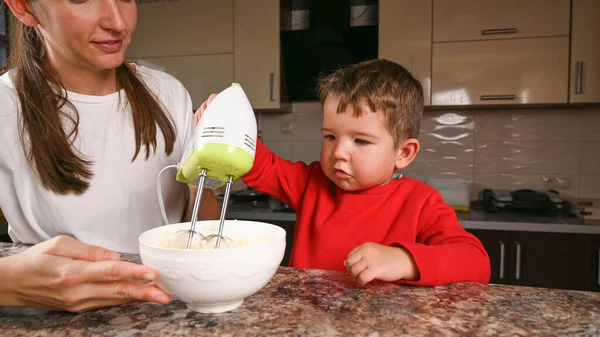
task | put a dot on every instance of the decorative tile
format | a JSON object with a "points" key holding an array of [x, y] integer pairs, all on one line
{"points": [[527, 157], [282, 149], [590, 157], [590, 186], [590, 124], [307, 127], [276, 127], [444, 156], [447, 141], [423, 176], [528, 125], [307, 152], [447, 124], [515, 181]]}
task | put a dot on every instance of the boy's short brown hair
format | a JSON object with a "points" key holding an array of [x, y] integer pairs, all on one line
{"points": [[383, 86]]}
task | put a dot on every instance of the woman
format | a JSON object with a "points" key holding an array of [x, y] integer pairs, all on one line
{"points": [[85, 136]]}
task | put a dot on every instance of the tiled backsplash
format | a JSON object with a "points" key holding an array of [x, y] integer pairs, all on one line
{"points": [[512, 148]]}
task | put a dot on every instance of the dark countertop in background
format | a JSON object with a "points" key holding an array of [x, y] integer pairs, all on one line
{"points": [[474, 219], [303, 302]]}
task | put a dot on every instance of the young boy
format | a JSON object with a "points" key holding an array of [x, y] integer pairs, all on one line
{"points": [[351, 213]]}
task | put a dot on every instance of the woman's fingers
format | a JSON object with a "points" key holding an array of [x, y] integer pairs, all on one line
{"points": [[106, 271], [67, 246], [87, 295], [203, 107]]}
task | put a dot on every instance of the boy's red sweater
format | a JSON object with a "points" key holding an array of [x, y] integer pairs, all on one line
{"points": [[331, 222]]}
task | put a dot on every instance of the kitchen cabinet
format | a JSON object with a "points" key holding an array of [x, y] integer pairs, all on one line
{"points": [[405, 37], [257, 64], [496, 244], [201, 75], [585, 52], [594, 279], [515, 71], [551, 260], [468, 20], [184, 27]]}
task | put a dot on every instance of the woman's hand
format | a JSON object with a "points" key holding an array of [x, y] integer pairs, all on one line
{"points": [[200, 111], [65, 274]]}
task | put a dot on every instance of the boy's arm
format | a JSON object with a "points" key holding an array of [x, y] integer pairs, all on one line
{"points": [[278, 177], [444, 252]]}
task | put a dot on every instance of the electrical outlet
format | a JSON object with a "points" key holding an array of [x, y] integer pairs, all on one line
{"points": [[557, 182]]}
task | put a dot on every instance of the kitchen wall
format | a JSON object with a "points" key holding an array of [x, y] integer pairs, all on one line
{"points": [[502, 148]]}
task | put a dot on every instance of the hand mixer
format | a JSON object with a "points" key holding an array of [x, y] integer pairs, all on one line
{"points": [[221, 151]]}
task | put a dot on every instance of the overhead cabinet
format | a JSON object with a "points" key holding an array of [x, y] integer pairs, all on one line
{"points": [[405, 37], [257, 51], [184, 27], [585, 52], [515, 71], [471, 20]]}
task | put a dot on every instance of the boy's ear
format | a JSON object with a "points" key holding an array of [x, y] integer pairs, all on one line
{"points": [[22, 12], [406, 153]]}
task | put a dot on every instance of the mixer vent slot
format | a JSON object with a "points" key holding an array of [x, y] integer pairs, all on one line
{"points": [[213, 131], [250, 142]]}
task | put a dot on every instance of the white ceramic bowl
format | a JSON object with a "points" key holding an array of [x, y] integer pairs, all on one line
{"points": [[214, 280]]}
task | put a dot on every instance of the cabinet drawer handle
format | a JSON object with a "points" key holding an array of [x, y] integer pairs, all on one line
{"points": [[579, 78], [498, 31], [497, 97], [518, 262], [599, 267], [502, 251], [272, 87]]}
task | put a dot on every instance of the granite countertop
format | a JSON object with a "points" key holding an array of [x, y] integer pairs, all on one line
{"points": [[473, 219], [303, 302]]}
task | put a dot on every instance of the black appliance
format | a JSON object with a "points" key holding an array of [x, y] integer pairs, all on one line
{"points": [[249, 194], [283, 208], [527, 200]]}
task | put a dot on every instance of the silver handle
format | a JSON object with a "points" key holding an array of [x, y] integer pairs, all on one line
{"points": [[497, 97], [502, 251], [498, 31], [579, 78], [518, 262], [272, 87]]}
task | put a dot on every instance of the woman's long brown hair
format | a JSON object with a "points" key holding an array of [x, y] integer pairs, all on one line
{"points": [[48, 122]]}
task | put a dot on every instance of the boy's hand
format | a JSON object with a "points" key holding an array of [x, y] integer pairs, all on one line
{"points": [[371, 261]]}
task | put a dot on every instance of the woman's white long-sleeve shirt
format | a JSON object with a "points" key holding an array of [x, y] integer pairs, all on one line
{"points": [[122, 200]]}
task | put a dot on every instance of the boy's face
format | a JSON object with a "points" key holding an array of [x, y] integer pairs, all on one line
{"points": [[357, 153]]}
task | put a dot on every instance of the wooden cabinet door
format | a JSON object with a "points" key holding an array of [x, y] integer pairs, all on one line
{"points": [[467, 20], [594, 279], [585, 52], [184, 27], [257, 51], [405, 37], [519, 71], [552, 260], [496, 244], [201, 75]]}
